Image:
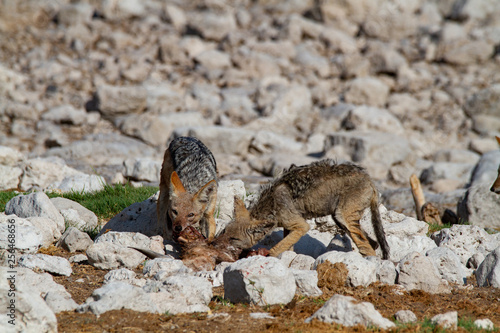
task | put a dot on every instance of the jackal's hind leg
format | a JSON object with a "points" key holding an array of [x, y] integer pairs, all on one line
{"points": [[296, 228], [350, 223]]}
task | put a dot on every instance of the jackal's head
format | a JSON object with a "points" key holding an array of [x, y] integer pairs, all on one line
{"points": [[244, 232], [187, 209]]}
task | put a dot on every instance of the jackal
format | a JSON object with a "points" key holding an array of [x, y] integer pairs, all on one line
{"points": [[318, 189], [496, 184], [188, 189]]}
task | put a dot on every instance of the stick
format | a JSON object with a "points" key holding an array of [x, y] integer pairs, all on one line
{"points": [[418, 195]]}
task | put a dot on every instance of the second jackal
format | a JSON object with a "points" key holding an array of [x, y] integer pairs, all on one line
{"points": [[322, 188], [188, 189]]}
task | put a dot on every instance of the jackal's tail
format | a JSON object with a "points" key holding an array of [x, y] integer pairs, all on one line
{"points": [[378, 227]]}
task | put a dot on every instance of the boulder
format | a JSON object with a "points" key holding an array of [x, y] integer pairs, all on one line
{"points": [[259, 280]]}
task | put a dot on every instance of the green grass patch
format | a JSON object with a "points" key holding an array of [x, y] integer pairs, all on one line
{"points": [[436, 227], [105, 204]]}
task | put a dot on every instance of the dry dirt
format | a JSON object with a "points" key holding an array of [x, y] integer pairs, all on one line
{"points": [[470, 302]]}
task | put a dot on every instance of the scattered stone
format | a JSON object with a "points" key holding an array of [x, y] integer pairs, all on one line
{"points": [[418, 272], [48, 228], [34, 204], [446, 320], [75, 240], [361, 271], [484, 324], [307, 282], [75, 215], [405, 316], [51, 264], [259, 280], [28, 238], [347, 311], [105, 255], [32, 314], [118, 296], [488, 272]]}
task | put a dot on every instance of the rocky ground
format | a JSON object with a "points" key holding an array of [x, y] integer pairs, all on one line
{"points": [[93, 91]]}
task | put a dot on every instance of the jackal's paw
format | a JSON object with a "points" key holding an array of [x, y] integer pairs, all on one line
{"points": [[188, 235], [259, 252]]}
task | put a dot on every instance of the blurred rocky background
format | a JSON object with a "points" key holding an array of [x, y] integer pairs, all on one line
{"points": [[91, 92]]}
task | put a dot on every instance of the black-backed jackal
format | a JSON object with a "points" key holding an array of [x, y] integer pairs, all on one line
{"points": [[188, 189]]}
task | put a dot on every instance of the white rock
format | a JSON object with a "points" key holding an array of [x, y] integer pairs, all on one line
{"points": [[48, 228], [227, 190], [133, 239], [418, 272], [261, 315], [219, 139], [405, 316], [34, 204], [259, 280], [485, 324], [480, 206], [465, 240], [156, 130], [39, 172], [215, 277], [181, 294], [65, 114], [52, 264], [120, 100], [367, 90], [345, 310], [10, 156], [121, 275], [145, 169], [81, 183], [75, 215], [448, 264], [361, 271], [78, 258], [165, 266], [43, 284], [29, 313], [25, 237], [105, 255], [74, 14], [488, 273], [101, 149], [302, 261], [365, 148], [368, 118], [386, 271], [213, 26], [118, 296], [11, 176], [446, 320], [401, 247], [75, 240], [307, 282]]}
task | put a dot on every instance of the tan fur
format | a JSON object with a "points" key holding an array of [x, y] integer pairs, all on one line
{"points": [[323, 188], [496, 184], [178, 209]]}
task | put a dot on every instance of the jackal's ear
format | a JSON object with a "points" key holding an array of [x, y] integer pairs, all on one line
{"points": [[176, 184], [240, 211], [205, 193], [498, 139]]}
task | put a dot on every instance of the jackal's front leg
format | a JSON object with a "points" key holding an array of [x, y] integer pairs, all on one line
{"points": [[296, 227], [209, 224]]}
